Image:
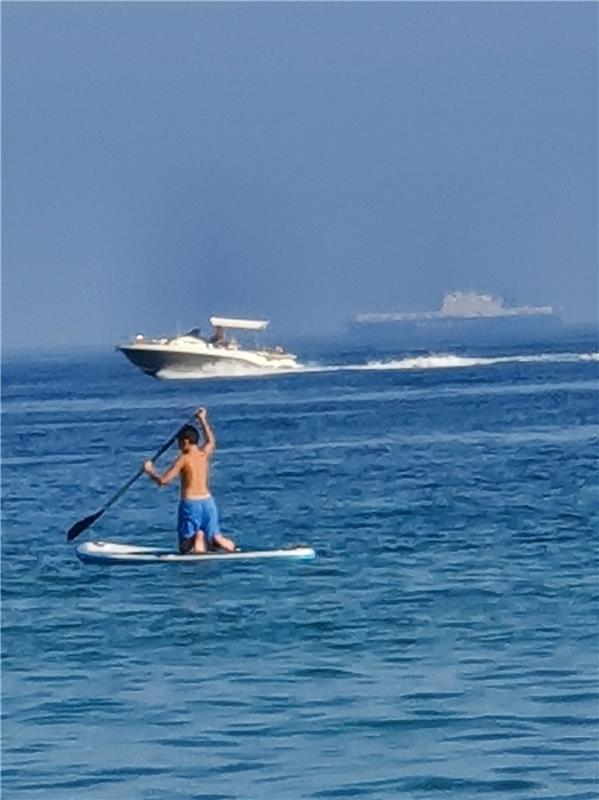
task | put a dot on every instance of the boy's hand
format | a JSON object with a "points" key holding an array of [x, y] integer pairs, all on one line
{"points": [[148, 468], [201, 413]]}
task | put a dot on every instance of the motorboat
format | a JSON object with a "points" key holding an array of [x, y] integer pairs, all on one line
{"points": [[221, 353]]}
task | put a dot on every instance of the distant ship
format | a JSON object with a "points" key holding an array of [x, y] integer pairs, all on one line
{"points": [[464, 317]]}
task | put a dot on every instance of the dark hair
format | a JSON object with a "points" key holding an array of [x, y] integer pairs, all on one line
{"points": [[189, 433]]}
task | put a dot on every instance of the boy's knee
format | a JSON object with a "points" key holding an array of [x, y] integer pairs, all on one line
{"points": [[199, 545]]}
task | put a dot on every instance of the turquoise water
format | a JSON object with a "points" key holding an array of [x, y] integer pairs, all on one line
{"points": [[444, 643]]}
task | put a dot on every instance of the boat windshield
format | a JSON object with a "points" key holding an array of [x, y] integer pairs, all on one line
{"points": [[196, 333]]}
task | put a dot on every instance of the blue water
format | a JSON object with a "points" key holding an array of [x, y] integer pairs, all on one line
{"points": [[444, 643]]}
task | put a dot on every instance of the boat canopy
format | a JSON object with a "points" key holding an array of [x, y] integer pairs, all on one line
{"points": [[239, 324]]}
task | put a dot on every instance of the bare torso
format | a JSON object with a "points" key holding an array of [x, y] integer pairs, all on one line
{"points": [[195, 472]]}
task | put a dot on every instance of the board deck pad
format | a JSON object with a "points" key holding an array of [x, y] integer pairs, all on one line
{"points": [[113, 552]]}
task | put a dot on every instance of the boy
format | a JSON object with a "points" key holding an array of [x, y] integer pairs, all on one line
{"points": [[198, 525]]}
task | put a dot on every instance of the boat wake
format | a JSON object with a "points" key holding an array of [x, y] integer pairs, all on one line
{"points": [[450, 361], [436, 361], [222, 370]]}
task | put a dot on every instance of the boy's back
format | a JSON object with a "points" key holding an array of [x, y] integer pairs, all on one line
{"points": [[194, 473]]}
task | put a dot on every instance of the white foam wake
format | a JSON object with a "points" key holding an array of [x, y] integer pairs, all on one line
{"points": [[451, 361], [430, 361], [221, 371]]}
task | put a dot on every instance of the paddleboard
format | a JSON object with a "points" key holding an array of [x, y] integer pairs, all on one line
{"points": [[112, 553]]}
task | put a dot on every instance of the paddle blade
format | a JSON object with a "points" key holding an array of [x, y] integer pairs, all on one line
{"points": [[82, 525]]}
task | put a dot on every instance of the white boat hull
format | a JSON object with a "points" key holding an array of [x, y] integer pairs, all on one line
{"points": [[179, 356]]}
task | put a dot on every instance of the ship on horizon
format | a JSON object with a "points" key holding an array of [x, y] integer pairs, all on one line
{"points": [[463, 318]]}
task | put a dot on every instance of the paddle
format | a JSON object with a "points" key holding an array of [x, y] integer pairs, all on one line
{"points": [[85, 523]]}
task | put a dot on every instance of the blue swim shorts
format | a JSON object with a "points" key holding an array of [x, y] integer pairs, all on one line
{"points": [[197, 515]]}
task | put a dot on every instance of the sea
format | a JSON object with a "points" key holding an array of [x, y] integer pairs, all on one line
{"points": [[443, 644]]}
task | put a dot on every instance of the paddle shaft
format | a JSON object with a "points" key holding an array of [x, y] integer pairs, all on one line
{"points": [[84, 524], [139, 473]]}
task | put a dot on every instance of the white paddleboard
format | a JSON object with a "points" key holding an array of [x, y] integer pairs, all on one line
{"points": [[112, 553]]}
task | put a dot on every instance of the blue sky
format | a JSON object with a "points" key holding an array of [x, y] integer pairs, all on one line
{"points": [[166, 161]]}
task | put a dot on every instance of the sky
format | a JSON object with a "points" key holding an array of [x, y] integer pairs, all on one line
{"points": [[303, 162]]}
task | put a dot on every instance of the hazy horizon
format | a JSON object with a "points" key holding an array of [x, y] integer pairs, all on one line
{"points": [[300, 162]]}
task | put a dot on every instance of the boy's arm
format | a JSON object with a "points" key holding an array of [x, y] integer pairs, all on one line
{"points": [[210, 443], [171, 473]]}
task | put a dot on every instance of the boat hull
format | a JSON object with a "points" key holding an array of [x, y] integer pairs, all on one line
{"points": [[156, 360]]}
